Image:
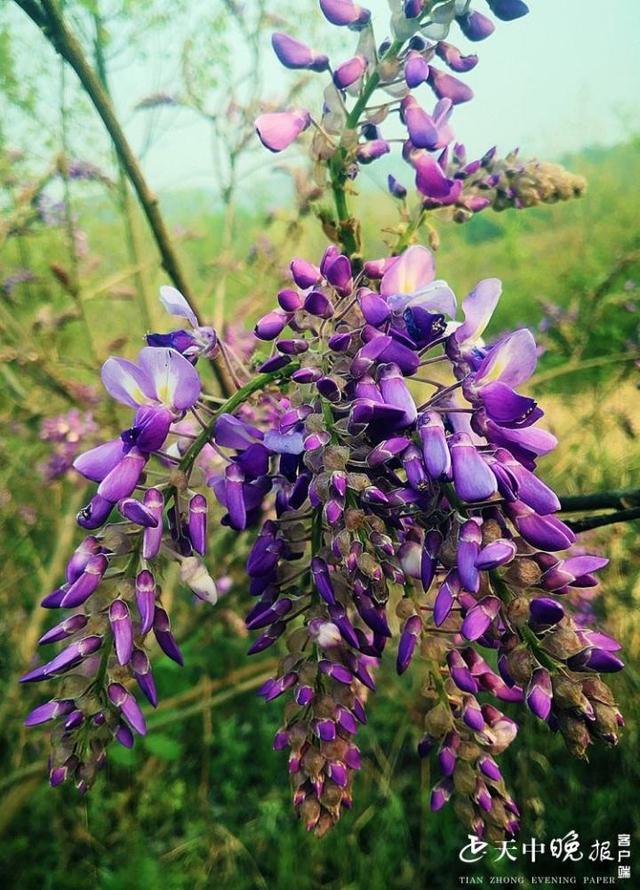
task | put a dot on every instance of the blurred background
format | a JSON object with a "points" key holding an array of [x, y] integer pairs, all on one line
{"points": [[203, 800]]}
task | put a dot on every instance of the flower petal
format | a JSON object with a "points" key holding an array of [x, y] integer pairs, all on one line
{"points": [[126, 382], [512, 360], [176, 304], [413, 270], [478, 307], [176, 383]]}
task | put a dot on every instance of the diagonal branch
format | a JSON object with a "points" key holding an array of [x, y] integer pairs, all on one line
{"points": [[48, 17], [617, 499], [584, 525]]}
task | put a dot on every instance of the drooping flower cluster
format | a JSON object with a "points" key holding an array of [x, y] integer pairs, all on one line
{"points": [[443, 175]]}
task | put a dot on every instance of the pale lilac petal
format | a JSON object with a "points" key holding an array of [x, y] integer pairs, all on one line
{"points": [[126, 382], [175, 381], [478, 307], [413, 270], [175, 304], [279, 129], [512, 360]]}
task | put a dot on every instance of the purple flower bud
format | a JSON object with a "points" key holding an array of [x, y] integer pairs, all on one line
{"points": [[336, 671], [472, 478], [469, 542], [86, 583], [317, 303], [544, 612], [426, 745], [95, 513], [65, 660], [539, 694], [272, 324], [49, 711], [137, 513], [152, 536], [277, 130], [64, 629], [387, 450], [289, 300], [292, 53], [441, 793], [120, 620], [446, 86], [304, 695], [490, 768], [429, 562], [507, 10], [345, 720], [83, 553], [395, 188], [460, 673], [124, 735], [408, 641], [322, 580], [345, 12], [268, 638], [128, 706], [124, 477], [479, 618], [395, 392], [447, 593], [338, 773], [372, 150], [592, 659], [325, 729], [545, 532], [144, 678], [475, 26], [145, 600], [337, 271], [197, 523], [422, 130], [472, 715], [495, 554], [304, 273], [162, 633], [437, 458], [349, 72], [416, 69], [74, 720], [454, 59]]}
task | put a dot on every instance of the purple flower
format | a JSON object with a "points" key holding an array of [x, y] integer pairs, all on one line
{"points": [[278, 129], [295, 54]]}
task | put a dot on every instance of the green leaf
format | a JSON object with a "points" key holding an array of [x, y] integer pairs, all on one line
{"points": [[163, 746]]}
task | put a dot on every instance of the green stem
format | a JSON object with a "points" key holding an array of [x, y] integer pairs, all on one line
{"points": [[258, 382]]}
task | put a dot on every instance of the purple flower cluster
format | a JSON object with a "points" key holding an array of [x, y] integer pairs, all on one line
{"points": [[110, 595], [443, 175], [425, 508]]}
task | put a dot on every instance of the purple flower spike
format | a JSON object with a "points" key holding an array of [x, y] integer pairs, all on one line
{"points": [[345, 12], [120, 620], [197, 523], [146, 600], [86, 584], [475, 26], [416, 69], [124, 477], [152, 537], [49, 711], [408, 641], [162, 633], [294, 54], [478, 619], [507, 10], [472, 478], [349, 72], [128, 706], [144, 678], [279, 129], [137, 513]]}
